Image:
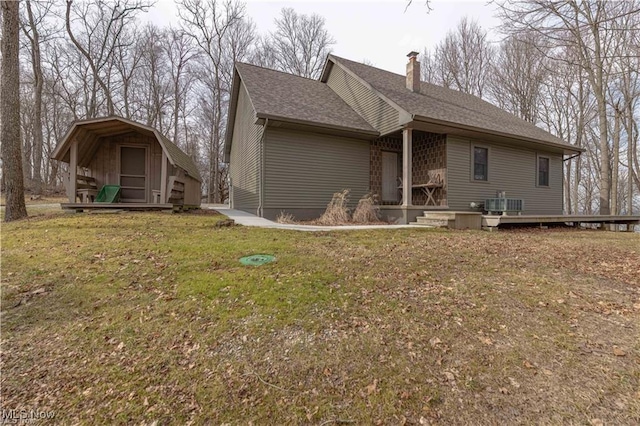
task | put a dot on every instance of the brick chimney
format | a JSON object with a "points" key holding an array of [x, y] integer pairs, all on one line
{"points": [[413, 72]]}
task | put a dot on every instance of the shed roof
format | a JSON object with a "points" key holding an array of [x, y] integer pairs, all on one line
{"points": [[440, 104], [91, 130], [278, 95]]}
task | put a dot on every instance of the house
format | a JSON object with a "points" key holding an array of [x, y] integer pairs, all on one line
{"points": [[292, 142], [150, 170]]}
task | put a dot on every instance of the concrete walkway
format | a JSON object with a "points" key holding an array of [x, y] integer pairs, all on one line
{"points": [[248, 219]]}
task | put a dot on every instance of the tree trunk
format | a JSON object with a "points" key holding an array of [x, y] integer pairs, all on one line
{"points": [[598, 84], [635, 170], [616, 161], [567, 188], [37, 104], [10, 111], [629, 129]]}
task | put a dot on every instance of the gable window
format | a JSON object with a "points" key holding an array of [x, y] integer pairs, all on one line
{"points": [[543, 171], [480, 163]]}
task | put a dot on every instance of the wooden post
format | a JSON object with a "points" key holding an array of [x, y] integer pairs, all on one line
{"points": [[163, 178], [73, 170], [406, 167]]}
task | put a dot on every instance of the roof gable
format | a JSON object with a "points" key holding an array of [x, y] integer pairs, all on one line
{"points": [[441, 105], [287, 97]]}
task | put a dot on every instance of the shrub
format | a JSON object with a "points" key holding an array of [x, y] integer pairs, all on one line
{"points": [[367, 210], [337, 212], [285, 218]]}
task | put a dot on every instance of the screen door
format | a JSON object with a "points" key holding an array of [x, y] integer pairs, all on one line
{"points": [[133, 174]]}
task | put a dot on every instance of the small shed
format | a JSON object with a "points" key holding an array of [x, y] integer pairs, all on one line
{"points": [[146, 168]]}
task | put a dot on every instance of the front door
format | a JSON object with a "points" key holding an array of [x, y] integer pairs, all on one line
{"points": [[133, 174], [390, 176]]}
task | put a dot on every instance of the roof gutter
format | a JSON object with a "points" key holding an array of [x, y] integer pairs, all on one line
{"points": [[315, 124], [573, 156]]}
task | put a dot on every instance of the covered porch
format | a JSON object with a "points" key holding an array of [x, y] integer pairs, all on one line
{"points": [[409, 173]]}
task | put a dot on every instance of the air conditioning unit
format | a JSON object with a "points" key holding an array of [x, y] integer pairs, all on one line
{"points": [[503, 205]]}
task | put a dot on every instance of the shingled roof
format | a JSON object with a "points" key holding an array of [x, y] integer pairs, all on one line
{"points": [[447, 105], [105, 126], [278, 95]]}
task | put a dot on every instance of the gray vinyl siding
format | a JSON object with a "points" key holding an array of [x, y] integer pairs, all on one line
{"points": [[245, 156], [303, 169], [375, 110], [510, 169]]}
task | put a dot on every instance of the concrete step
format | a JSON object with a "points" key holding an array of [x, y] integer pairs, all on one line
{"points": [[440, 215], [422, 225], [451, 219], [429, 221]]}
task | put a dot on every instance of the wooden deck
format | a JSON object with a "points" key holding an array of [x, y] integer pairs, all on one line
{"points": [[492, 221], [118, 206]]}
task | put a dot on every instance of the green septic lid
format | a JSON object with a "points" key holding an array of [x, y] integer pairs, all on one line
{"points": [[257, 259]]}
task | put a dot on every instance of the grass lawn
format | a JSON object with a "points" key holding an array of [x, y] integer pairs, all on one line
{"points": [[47, 205], [149, 318]]}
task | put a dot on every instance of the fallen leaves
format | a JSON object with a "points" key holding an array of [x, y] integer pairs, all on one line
{"points": [[434, 341], [485, 340], [449, 376], [514, 383], [373, 387], [618, 352], [424, 327]]}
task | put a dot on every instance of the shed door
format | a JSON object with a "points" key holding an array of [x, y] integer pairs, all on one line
{"points": [[390, 176], [133, 174]]}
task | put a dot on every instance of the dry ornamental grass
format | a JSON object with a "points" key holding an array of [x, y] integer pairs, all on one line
{"points": [[337, 212], [367, 210]]}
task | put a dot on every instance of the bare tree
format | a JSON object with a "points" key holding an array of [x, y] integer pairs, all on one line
{"points": [[127, 64], [300, 43], [208, 23], [154, 72], [263, 53], [180, 52], [10, 113], [518, 74], [462, 60], [427, 5], [32, 28], [583, 26], [102, 25], [627, 94]]}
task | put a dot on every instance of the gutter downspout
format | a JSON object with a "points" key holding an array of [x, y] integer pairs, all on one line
{"points": [[261, 182], [572, 157]]}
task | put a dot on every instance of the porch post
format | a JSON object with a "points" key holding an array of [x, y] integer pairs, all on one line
{"points": [[73, 170], [163, 178], [407, 135]]}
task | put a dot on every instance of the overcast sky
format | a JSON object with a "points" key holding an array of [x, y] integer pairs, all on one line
{"points": [[378, 31]]}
